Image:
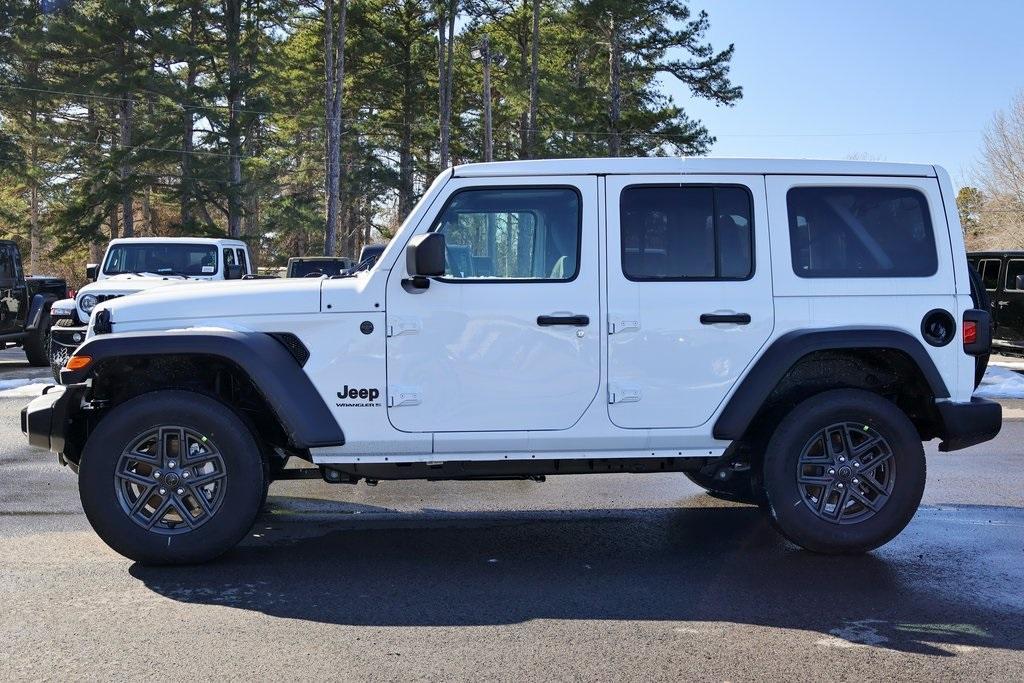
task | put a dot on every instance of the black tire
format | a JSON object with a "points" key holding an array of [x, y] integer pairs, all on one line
{"points": [[37, 345], [235, 510], [982, 301], [790, 510], [740, 488]]}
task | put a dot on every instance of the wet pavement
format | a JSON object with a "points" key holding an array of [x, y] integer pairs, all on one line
{"points": [[610, 577]]}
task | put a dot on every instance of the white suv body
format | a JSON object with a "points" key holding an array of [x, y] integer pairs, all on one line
{"points": [[646, 312]]}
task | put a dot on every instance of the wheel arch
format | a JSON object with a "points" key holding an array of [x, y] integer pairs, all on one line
{"points": [[804, 362], [38, 307], [253, 372]]}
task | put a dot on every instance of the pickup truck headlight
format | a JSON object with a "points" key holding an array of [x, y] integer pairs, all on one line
{"points": [[88, 303]]}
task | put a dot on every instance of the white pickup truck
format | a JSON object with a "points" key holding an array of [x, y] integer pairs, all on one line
{"points": [[135, 264]]}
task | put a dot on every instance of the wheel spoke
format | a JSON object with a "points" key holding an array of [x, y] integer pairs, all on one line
{"points": [[135, 477], [204, 479], [864, 500], [823, 496], [201, 499], [840, 504], [812, 480], [142, 500], [159, 513]]}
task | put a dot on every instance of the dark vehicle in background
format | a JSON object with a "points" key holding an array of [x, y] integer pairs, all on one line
{"points": [[1001, 273], [369, 254], [317, 266], [25, 306]]}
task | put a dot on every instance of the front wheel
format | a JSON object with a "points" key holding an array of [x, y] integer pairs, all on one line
{"points": [[844, 472], [171, 477]]}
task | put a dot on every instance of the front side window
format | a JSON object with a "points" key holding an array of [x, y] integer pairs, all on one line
{"points": [[860, 232], [686, 233], [519, 234], [988, 269], [161, 259]]}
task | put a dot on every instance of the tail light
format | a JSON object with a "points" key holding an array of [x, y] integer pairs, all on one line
{"points": [[970, 332]]}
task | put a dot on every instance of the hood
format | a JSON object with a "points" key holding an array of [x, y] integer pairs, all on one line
{"points": [[192, 301], [129, 284]]}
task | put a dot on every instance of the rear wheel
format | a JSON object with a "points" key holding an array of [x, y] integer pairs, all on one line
{"points": [[171, 477], [844, 472]]}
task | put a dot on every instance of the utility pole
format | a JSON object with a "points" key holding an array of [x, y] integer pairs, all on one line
{"points": [[482, 52]]}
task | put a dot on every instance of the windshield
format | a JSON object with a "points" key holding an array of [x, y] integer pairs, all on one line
{"points": [[319, 267], [163, 259]]}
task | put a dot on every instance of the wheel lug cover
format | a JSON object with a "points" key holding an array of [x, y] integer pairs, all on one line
{"points": [[172, 464], [181, 491], [163, 491], [839, 485], [832, 471], [184, 475], [156, 475]]}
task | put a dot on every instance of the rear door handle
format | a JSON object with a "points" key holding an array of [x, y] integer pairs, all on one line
{"points": [[736, 318], [576, 320]]}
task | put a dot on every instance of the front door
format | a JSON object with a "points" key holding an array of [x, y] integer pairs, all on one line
{"points": [[689, 294], [1009, 303], [507, 339]]}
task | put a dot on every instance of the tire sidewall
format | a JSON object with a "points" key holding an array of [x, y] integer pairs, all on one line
{"points": [[788, 510], [244, 484]]}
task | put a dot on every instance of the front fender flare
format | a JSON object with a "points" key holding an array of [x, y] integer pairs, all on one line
{"points": [[40, 304], [303, 414]]}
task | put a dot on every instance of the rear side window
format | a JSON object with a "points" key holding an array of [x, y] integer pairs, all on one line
{"points": [[686, 233], [988, 269], [1014, 269], [242, 262], [860, 232]]}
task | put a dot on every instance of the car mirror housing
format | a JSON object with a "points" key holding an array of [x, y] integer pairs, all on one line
{"points": [[424, 255], [92, 270]]}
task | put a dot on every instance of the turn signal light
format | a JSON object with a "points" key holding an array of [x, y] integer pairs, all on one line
{"points": [[970, 332], [78, 362]]}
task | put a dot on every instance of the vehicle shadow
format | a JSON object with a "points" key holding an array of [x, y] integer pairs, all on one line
{"points": [[932, 588]]}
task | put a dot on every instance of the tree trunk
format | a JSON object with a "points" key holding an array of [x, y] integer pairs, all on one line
{"points": [[614, 89], [334, 77], [233, 30], [445, 47], [488, 136], [534, 81], [124, 114], [405, 161], [188, 124]]}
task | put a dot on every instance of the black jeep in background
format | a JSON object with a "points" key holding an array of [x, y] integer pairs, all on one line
{"points": [[25, 306], [1002, 275]]}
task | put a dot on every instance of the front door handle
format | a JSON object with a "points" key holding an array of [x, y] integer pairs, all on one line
{"points": [[735, 318], [576, 320]]}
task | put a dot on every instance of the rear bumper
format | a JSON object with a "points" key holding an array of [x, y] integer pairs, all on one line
{"points": [[967, 424], [46, 421]]}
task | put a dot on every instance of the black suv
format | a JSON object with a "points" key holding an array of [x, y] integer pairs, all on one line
{"points": [[25, 305], [1002, 273]]}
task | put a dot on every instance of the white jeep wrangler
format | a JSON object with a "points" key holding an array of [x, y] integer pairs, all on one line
{"points": [[784, 332], [135, 264]]}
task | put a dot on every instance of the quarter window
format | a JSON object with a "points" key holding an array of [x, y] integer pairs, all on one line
{"points": [[242, 262], [686, 233], [860, 232], [988, 269], [511, 234]]}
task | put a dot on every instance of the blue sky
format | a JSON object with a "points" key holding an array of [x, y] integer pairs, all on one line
{"points": [[904, 80]]}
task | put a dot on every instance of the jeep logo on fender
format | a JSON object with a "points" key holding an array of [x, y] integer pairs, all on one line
{"points": [[369, 395]]}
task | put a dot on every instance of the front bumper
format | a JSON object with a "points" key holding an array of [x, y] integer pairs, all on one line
{"points": [[47, 420], [967, 424], [64, 341]]}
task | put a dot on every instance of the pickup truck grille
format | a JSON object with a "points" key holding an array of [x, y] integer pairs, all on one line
{"points": [[107, 297]]}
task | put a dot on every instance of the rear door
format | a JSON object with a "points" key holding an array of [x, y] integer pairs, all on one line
{"points": [[689, 294]]}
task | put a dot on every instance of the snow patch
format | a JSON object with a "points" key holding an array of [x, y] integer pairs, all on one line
{"points": [[24, 389], [1001, 382]]}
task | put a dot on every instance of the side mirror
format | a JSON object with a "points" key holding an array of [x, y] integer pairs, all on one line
{"points": [[424, 257], [92, 270], [233, 272]]}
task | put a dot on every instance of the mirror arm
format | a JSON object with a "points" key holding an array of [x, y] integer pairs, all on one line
{"points": [[415, 284]]}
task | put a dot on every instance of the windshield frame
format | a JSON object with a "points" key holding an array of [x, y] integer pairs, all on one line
{"points": [[144, 245]]}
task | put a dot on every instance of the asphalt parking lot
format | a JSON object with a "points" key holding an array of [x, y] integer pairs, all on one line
{"points": [[612, 577]]}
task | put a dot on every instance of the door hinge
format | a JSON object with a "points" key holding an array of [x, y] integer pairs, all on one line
{"points": [[397, 326], [618, 393], [401, 395], [617, 325]]}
